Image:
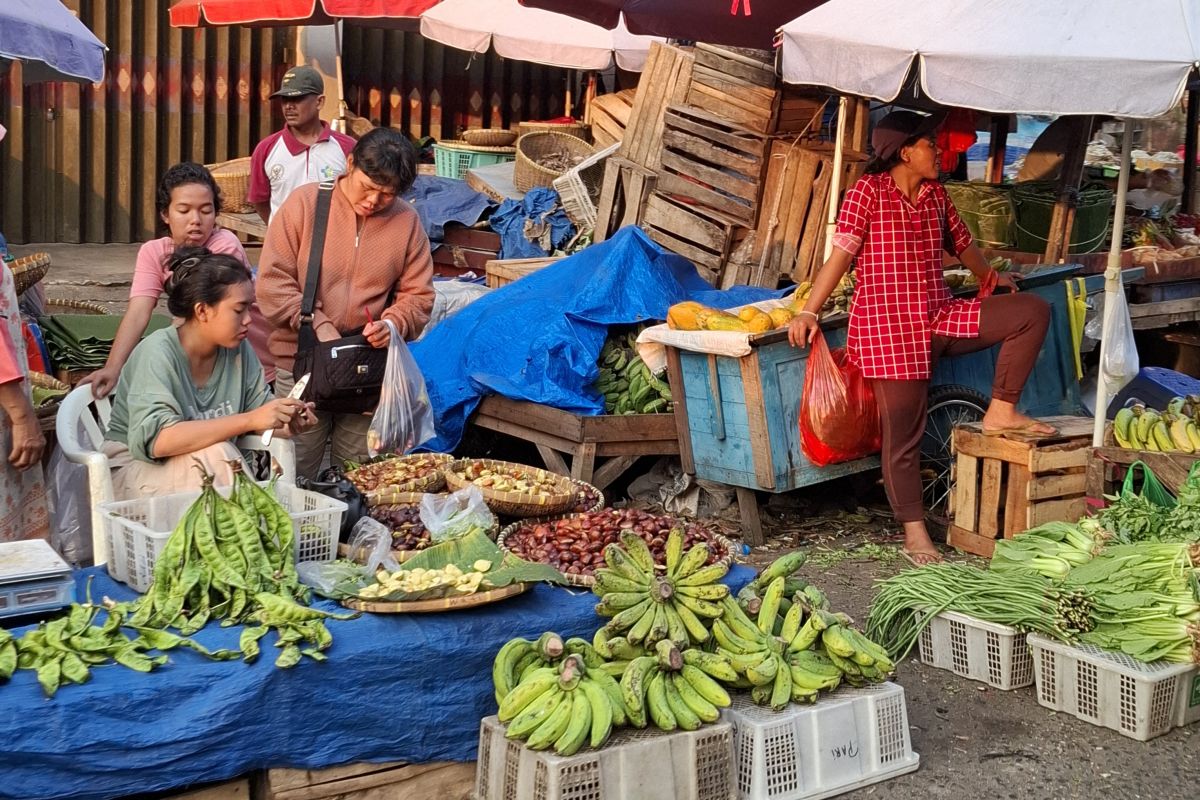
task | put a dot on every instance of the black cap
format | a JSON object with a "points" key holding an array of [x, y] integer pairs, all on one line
{"points": [[299, 81], [898, 127]]}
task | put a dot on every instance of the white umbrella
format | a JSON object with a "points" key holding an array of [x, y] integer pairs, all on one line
{"points": [[531, 34], [1012, 57]]}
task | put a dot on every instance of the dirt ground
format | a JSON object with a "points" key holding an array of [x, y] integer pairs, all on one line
{"points": [[974, 741]]}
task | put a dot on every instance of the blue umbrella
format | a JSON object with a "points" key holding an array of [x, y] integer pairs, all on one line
{"points": [[49, 41]]}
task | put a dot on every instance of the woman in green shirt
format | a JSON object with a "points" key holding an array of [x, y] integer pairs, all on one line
{"points": [[187, 392]]}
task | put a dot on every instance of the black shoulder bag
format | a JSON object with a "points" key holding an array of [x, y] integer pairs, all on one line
{"points": [[347, 373]]}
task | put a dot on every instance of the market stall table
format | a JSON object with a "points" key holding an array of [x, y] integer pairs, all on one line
{"points": [[396, 687], [250, 224]]}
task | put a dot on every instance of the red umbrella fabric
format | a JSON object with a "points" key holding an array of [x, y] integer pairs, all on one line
{"points": [[194, 13], [737, 23]]}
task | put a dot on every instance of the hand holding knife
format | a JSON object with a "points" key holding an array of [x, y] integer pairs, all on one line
{"points": [[294, 394]]}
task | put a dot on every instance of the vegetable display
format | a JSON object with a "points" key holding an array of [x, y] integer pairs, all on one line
{"points": [[1050, 550], [627, 384]]}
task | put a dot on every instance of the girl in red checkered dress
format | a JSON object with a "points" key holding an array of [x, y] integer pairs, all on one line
{"points": [[894, 224]]}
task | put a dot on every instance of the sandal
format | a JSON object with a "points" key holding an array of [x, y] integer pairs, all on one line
{"points": [[1026, 430], [921, 558]]}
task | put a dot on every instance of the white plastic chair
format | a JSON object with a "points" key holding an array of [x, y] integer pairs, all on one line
{"points": [[79, 427]]}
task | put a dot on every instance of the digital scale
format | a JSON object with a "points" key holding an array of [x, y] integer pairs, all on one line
{"points": [[33, 578]]}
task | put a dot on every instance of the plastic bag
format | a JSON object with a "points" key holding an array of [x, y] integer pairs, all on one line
{"points": [[404, 418], [69, 503], [1120, 363], [839, 418], [453, 515], [1152, 489], [371, 544]]}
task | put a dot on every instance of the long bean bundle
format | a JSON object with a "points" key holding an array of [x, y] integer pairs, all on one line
{"points": [[907, 603]]}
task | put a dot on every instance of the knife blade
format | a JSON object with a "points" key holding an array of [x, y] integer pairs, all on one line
{"points": [[294, 394]]}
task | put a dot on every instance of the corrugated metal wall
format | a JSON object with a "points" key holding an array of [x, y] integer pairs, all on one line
{"points": [[80, 163]]}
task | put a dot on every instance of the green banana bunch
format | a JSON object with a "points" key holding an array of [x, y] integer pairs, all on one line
{"points": [[519, 657], [784, 566], [650, 602], [564, 707], [675, 688], [628, 385], [1174, 430]]}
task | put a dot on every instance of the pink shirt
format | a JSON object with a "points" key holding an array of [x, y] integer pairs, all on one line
{"points": [[150, 276]]}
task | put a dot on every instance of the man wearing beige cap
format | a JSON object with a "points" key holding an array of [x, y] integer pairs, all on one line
{"points": [[307, 150]]}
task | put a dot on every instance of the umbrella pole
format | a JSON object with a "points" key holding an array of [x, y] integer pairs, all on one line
{"points": [[1112, 280], [835, 180], [337, 61]]}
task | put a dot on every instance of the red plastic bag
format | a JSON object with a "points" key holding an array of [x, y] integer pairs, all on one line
{"points": [[839, 419]]}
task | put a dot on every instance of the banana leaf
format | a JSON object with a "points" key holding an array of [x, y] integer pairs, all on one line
{"points": [[464, 551]]}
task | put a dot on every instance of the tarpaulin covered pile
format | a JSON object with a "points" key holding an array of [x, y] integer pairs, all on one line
{"points": [[538, 338]]}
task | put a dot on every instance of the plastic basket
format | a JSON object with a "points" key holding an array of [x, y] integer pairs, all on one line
{"points": [[579, 188], [973, 648], [1034, 203], [452, 159], [137, 530], [633, 765], [1112, 690], [849, 739]]}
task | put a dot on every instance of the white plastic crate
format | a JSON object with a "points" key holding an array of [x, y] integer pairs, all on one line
{"points": [[974, 648], [1112, 690], [633, 765], [137, 530], [846, 740]]}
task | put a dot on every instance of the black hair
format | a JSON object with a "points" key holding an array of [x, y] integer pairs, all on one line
{"points": [[386, 157], [182, 174], [200, 276], [877, 165]]}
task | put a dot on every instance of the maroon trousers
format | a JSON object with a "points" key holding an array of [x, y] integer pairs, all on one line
{"points": [[1018, 323]]}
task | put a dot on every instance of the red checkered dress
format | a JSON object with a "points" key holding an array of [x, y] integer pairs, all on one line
{"points": [[901, 297]]}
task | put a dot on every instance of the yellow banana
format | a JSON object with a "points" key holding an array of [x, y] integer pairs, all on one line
{"points": [[770, 606], [792, 621], [1121, 423], [730, 641], [625, 618], [705, 686], [836, 643], [781, 693], [695, 558], [1193, 434], [1179, 435], [504, 667], [709, 574], [703, 608], [641, 629], [633, 689], [674, 551], [608, 684], [526, 692], [764, 672], [695, 629], [713, 664], [709, 591], [1162, 437], [638, 551]]}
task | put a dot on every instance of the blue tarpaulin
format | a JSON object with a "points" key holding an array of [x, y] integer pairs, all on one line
{"points": [[442, 200], [397, 687], [522, 224], [538, 338]]}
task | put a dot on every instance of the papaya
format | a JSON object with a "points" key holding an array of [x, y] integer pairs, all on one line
{"points": [[780, 317], [748, 313], [720, 321], [760, 323], [685, 316]]}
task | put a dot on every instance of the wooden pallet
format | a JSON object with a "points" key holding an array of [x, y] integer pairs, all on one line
{"points": [[609, 115], [446, 780], [622, 196], [664, 81], [713, 162], [705, 237], [1004, 486], [741, 86], [501, 272]]}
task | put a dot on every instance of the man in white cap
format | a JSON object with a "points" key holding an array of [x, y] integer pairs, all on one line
{"points": [[307, 150]]}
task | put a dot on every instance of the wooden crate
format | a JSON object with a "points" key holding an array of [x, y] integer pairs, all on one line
{"points": [[609, 115], [501, 272], [713, 162], [622, 196], [1003, 486], [601, 447], [464, 250], [741, 86], [1106, 468], [445, 780], [705, 237], [229, 790], [664, 81]]}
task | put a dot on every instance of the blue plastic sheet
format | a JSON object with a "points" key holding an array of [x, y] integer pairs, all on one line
{"points": [[442, 200], [521, 222], [396, 688], [538, 338]]}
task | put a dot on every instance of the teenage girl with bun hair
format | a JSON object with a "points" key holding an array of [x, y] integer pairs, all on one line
{"points": [[188, 391]]}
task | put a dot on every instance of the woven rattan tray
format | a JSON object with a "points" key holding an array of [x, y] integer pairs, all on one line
{"points": [[28, 270], [515, 504], [432, 481]]}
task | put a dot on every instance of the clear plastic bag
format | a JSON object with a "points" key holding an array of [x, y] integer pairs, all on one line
{"points": [[404, 418], [453, 515], [371, 544], [70, 509], [839, 418], [1120, 364]]}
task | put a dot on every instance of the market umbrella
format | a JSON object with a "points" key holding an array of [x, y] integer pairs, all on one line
{"points": [[1019, 56], [196, 13], [50, 42], [530, 34], [739, 23]]}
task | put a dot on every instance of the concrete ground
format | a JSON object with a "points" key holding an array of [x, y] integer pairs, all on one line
{"points": [[974, 741]]}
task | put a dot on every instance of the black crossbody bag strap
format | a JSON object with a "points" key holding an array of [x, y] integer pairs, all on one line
{"points": [[307, 338]]}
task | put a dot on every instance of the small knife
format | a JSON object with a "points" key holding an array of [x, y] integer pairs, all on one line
{"points": [[294, 394]]}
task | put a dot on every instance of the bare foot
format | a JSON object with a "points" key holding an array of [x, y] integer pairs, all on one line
{"points": [[918, 548]]}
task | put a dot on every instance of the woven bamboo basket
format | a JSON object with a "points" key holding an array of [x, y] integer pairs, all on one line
{"points": [[432, 481], [233, 179], [587, 580], [56, 306], [44, 381], [516, 504], [490, 137], [579, 130], [28, 270], [532, 148]]}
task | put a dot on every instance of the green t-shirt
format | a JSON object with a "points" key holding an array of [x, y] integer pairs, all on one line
{"points": [[156, 390]]}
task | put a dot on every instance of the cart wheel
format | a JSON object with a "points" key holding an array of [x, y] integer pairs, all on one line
{"points": [[948, 406]]}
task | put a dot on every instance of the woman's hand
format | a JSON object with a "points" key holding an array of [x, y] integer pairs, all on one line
{"points": [[103, 381], [803, 329], [1008, 280], [276, 414], [304, 420], [28, 441], [378, 334]]}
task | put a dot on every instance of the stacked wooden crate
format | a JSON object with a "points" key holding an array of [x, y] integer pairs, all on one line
{"points": [[609, 115]]}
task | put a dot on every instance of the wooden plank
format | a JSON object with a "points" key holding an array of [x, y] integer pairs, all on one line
{"points": [[612, 469], [989, 497], [1016, 504], [647, 447], [1043, 487], [756, 417], [474, 238], [784, 208], [966, 492], [542, 418], [664, 82], [627, 428], [442, 779], [553, 460], [752, 531], [970, 542], [146, 77], [707, 264], [717, 129], [125, 84], [716, 102], [668, 183], [1188, 305], [746, 190], [813, 225], [584, 462], [229, 790], [1057, 457], [1097, 476], [706, 152], [610, 188], [714, 393], [69, 177], [284, 779], [735, 66], [700, 229], [761, 99], [682, 430], [1067, 509]]}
